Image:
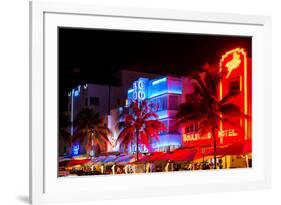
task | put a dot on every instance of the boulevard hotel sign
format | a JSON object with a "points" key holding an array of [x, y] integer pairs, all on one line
{"points": [[238, 79]]}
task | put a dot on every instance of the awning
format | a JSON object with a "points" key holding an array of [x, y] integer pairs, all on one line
{"points": [[122, 159], [237, 148], [183, 155], [109, 160], [177, 155], [98, 159], [150, 158], [73, 162]]}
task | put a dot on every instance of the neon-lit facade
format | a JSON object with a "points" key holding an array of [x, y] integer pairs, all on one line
{"points": [[93, 96], [166, 93], [238, 79]]}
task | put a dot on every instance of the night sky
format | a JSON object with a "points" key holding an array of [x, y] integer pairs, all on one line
{"points": [[92, 56]]}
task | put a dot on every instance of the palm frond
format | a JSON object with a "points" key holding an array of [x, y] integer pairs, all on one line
{"points": [[228, 97], [126, 136], [231, 109]]}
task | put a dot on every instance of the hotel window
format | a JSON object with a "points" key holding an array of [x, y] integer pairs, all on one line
{"points": [[173, 128], [161, 103], [192, 127], [165, 122], [234, 85], [94, 101]]}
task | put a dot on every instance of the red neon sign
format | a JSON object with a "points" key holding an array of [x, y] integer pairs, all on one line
{"points": [[235, 62]]}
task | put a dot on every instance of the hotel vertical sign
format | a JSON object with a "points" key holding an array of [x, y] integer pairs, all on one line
{"points": [[234, 62]]}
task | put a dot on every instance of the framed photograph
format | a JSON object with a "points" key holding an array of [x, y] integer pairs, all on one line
{"points": [[138, 102]]}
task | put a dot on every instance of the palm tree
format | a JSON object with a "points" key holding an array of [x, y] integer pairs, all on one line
{"points": [[89, 126], [205, 106], [140, 124], [64, 135]]}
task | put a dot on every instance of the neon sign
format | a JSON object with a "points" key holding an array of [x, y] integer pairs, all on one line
{"points": [[142, 148], [188, 137], [233, 64], [75, 150], [138, 92], [226, 133], [165, 144], [76, 93], [234, 59], [195, 137], [159, 81], [141, 85]]}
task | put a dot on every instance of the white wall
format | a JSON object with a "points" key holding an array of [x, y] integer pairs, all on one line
{"points": [[14, 100]]}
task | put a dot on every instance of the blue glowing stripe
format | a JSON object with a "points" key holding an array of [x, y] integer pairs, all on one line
{"points": [[167, 140], [159, 81], [165, 144], [166, 92], [131, 90]]}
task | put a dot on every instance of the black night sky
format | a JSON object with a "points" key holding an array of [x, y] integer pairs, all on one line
{"points": [[92, 56]]}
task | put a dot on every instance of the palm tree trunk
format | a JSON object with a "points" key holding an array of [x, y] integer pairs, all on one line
{"points": [[215, 147]]}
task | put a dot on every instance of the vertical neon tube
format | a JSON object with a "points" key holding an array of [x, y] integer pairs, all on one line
{"points": [[245, 92]]}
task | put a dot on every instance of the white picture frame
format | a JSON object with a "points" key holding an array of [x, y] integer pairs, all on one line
{"points": [[46, 17]]}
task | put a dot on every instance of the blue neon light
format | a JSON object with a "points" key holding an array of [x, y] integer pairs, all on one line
{"points": [[141, 84], [141, 95], [167, 140], [159, 81], [76, 93], [139, 89], [75, 150], [162, 114], [164, 86], [130, 90], [155, 94], [154, 146], [133, 148], [143, 88]]}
